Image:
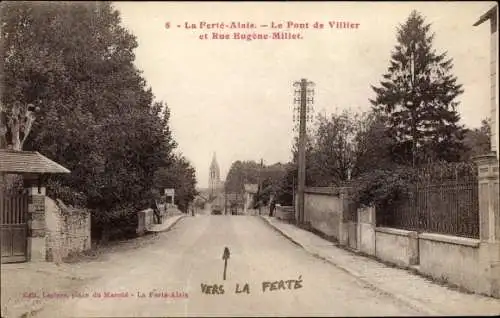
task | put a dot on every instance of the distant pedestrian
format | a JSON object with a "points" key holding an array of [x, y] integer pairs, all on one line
{"points": [[155, 196], [272, 206]]}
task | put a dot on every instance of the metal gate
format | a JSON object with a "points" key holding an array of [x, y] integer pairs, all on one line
{"points": [[14, 227]]}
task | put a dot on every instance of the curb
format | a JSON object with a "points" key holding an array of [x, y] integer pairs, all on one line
{"points": [[282, 232], [407, 301], [175, 222], [169, 226]]}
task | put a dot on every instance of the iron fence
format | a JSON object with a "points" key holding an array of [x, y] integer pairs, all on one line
{"points": [[441, 199]]}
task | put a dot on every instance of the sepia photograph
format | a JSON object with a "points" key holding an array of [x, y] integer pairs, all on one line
{"points": [[249, 159]]}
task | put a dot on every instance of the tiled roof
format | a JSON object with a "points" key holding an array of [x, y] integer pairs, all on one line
{"points": [[12, 161], [251, 187]]}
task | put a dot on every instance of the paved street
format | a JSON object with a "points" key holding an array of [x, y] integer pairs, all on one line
{"points": [[172, 160], [190, 254]]}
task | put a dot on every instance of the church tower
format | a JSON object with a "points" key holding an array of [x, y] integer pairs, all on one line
{"points": [[214, 178]]}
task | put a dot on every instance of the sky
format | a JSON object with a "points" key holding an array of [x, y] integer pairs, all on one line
{"points": [[235, 97]]}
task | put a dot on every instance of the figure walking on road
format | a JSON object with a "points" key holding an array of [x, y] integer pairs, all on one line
{"points": [[272, 206]]}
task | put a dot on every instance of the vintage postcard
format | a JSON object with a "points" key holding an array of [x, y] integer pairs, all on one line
{"points": [[171, 159]]}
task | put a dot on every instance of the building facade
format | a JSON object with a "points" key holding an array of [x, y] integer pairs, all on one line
{"points": [[492, 16]]}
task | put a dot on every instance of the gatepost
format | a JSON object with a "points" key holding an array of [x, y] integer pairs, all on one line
{"points": [[344, 223], [489, 222], [36, 224]]}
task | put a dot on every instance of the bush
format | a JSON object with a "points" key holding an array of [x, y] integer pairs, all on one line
{"points": [[119, 223], [56, 190], [382, 187]]}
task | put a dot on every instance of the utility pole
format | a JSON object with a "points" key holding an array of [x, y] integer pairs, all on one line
{"points": [[304, 97]]}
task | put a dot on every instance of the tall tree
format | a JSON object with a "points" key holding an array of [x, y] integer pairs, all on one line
{"points": [[344, 145], [335, 147], [373, 145], [477, 140], [417, 98], [240, 173], [285, 193], [180, 175], [97, 116], [271, 180]]}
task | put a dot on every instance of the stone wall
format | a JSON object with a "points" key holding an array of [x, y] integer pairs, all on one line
{"points": [[465, 262], [469, 263], [473, 264], [452, 259], [265, 210], [366, 230], [145, 221], [285, 213], [323, 211], [327, 210], [396, 246], [67, 230]]}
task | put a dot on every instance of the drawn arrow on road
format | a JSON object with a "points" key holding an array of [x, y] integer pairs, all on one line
{"points": [[225, 257]]}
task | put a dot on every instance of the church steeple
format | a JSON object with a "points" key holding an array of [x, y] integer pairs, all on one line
{"points": [[214, 177], [214, 164]]}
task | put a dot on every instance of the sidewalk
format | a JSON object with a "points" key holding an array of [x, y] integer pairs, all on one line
{"points": [[403, 285], [167, 224]]}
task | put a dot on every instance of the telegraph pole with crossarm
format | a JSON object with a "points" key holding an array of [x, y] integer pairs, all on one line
{"points": [[304, 98]]}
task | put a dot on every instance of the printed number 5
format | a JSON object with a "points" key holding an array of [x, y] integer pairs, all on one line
{"points": [[167, 25]]}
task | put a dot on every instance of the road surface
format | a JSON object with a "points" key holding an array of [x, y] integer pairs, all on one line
{"points": [[143, 280]]}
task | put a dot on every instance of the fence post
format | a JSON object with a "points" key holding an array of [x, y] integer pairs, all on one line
{"points": [[141, 223], [366, 230], [344, 220], [489, 221]]}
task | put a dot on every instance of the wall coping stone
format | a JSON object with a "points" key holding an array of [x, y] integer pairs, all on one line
{"points": [[333, 190], [400, 232], [485, 159], [323, 190], [287, 208], [450, 239]]}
